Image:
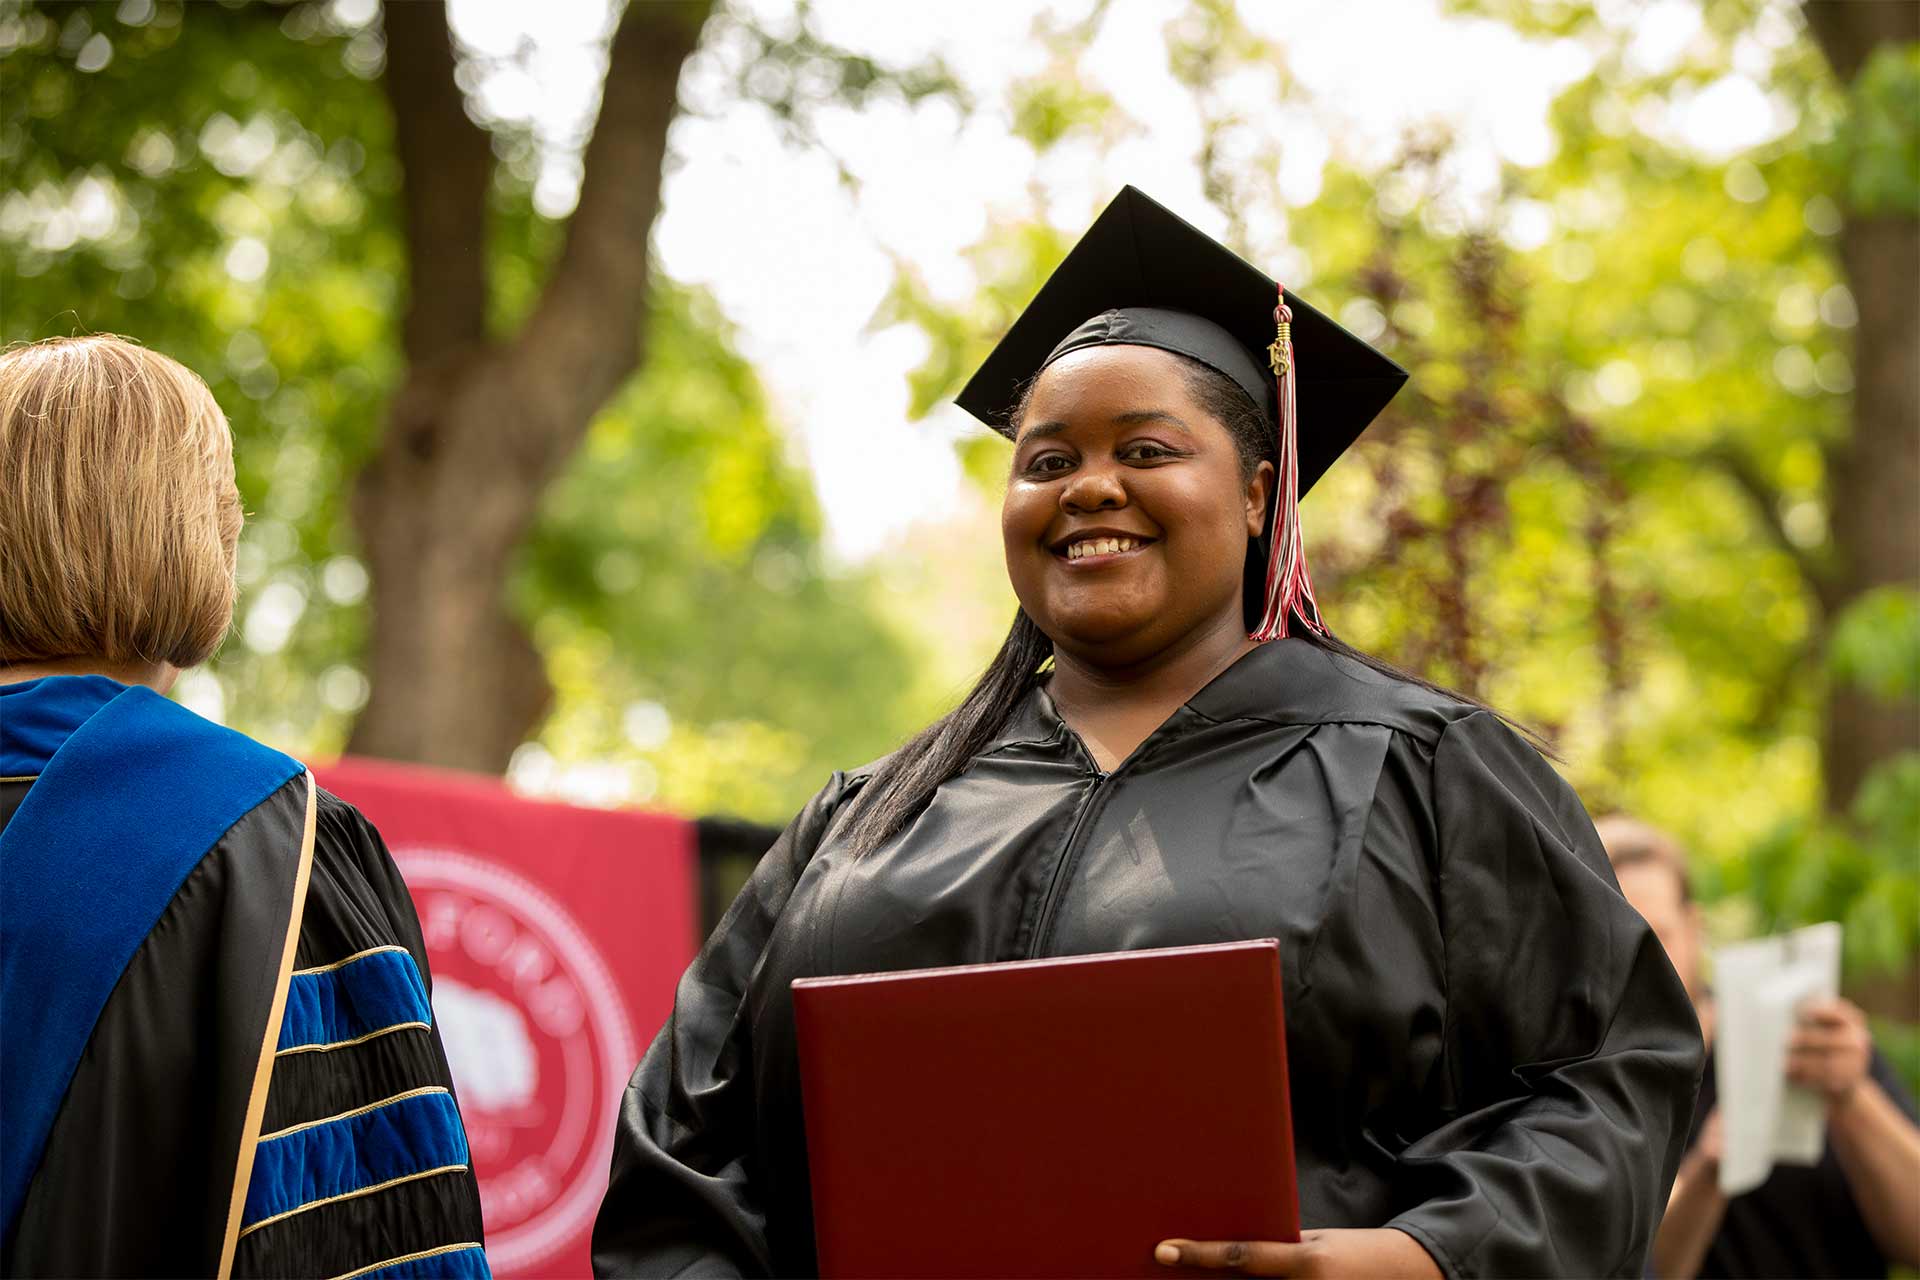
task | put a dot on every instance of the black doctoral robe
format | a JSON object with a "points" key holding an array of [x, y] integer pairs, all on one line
{"points": [[164, 1157], [1487, 1046]]}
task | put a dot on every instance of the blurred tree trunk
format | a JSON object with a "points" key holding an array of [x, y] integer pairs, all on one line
{"points": [[480, 425], [1872, 474]]}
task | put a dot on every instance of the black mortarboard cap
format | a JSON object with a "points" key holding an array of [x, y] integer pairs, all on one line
{"points": [[1140, 255]]}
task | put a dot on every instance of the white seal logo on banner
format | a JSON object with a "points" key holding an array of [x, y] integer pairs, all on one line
{"points": [[539, 1042]]}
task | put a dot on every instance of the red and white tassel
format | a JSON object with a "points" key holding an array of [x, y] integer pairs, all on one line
{"points": [[1289, 585]]}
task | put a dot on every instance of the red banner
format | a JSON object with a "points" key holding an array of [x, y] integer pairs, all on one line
{"points": [[556, 935]]}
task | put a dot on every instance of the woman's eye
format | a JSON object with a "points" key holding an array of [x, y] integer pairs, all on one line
{"points": [[1048, 464], [1147, 451]]}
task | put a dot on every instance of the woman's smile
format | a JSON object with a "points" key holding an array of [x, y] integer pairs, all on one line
{"points": [[1097, 548]]}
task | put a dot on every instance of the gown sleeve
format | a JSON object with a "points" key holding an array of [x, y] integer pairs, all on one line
{"points": [[1572, 1055], [409, 1185], [682, 1201]]}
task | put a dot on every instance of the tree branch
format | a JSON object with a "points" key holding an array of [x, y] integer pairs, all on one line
{"points": [[446, 161], [1759, 491], [585, 335], [1739, 468], [1848, 31]]}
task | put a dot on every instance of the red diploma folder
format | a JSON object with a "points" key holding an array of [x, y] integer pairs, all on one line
{"points": [[1047, 1117]]}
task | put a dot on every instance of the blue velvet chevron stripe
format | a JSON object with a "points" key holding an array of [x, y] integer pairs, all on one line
{"points": [[129, 800], [340, 1004], [402, 1137], [465, 1263]]}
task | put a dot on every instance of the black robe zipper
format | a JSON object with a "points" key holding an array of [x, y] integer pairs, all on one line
{"points": [[1043, 923]]}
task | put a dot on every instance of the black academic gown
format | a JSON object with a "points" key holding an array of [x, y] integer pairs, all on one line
{"points": [[1487, 1046], [138, 1172]]}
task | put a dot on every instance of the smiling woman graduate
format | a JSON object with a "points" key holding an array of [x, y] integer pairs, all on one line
{"points": [[1492, 1063]]}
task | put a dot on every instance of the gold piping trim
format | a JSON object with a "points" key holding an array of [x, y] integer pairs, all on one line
{"points": [[21, 777], [411, 1257], [341, 964], [349, 1195], [357, 1111], [263, 1070], [343, 1044]]}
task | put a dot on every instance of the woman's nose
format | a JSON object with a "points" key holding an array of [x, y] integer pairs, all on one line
{"points": [[1093, 488]]}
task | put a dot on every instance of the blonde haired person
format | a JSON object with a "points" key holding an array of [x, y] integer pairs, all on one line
{"points": [[220, 1053]]}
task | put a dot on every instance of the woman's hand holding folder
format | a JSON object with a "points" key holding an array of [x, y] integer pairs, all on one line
{"points": [[1381, 1253]]}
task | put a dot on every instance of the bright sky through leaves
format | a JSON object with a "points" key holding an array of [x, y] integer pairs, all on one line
{"points": [[800, 266]]}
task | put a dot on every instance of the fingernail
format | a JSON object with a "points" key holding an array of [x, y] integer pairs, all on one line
{"points": [[1167, 1253]]}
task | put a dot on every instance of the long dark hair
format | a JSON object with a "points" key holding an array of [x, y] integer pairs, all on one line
{"points": [[901, 786]]}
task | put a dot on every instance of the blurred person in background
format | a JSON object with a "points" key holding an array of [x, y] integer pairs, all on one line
{"points": [[1849, 1215], [1491, 1063], [220, 1052]]}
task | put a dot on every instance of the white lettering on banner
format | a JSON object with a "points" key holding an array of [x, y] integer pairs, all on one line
{"points": [[439, 920], [485, 934], [487, 937], [539, 1042], [526, 960], [528, 1188], [556, 1007]]}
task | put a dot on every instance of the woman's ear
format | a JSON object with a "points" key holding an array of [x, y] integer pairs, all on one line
{"points": [[1259, 495]]}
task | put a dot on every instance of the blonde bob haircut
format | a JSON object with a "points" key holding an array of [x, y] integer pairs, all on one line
{"points": [[118, 509]]}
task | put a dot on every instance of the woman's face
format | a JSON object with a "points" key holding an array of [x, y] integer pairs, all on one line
{"points": [[1126, 519]]}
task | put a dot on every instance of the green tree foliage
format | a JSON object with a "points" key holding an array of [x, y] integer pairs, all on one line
{"points": [[1745, 377], [225, 200], [1601, 502], [1875, 153], [217, 181], [680, 571], [1861, 868], [1604, 502]]}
